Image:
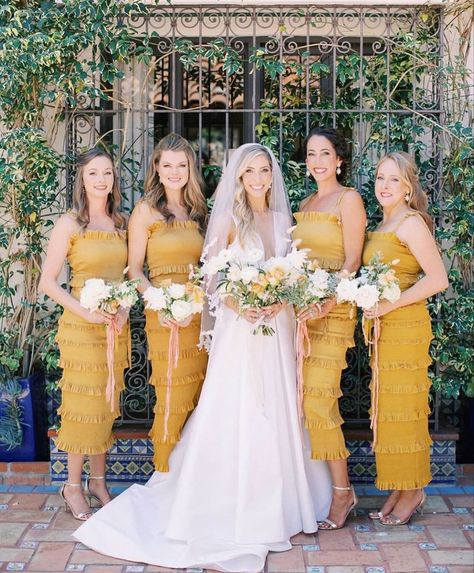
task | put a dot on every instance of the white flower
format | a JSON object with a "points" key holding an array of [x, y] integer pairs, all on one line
{"points": [[155, 298], [367, 296], [234, 273], [248, 274], [176, 290], [297, 257], [126, 294], [254, 256], [319, 279], [181, 309], [218, 262], [93, 293], [346, 290], [391, 292], [197, 307]]}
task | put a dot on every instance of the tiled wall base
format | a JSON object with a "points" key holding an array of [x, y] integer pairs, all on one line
{"points": [[362, 462], [131, 460]]}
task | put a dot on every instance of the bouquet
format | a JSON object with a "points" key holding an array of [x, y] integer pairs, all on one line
{"points": [[377, 282], [255, 284], [176, 302], [97, 294]]}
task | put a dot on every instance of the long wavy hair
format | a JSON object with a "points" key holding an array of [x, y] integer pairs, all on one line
{"points": [[243, 214], [418, 200], [80, 203], [193, 197]]}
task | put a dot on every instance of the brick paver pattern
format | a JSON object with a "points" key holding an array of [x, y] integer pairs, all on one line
{"points": [[35, 535]]}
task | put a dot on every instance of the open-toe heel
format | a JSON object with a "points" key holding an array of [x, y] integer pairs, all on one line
{"points": [[81, 516], [328, 524]]}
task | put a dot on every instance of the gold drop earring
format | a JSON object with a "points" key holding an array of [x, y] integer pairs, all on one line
{"points": [[407, 197]]}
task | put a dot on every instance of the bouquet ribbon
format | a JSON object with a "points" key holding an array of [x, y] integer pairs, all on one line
{"points": [[112, 341], [173, 355], [303, 350], [371, 338]]}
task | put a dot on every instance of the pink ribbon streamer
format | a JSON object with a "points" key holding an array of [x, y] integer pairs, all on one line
{"points": [[173, 355], [373, 345], [303, 350], [112, 339]]}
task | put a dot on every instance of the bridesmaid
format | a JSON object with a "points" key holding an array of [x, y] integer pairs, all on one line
{"points": [[331, 223], [400, 411], [92, 238], [167, 232]]}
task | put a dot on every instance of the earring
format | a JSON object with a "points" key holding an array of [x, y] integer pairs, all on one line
{"points": [[338, 170], [407, 197]]}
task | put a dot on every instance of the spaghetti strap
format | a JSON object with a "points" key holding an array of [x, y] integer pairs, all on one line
{"points": [[341, 195], [410, 214]]}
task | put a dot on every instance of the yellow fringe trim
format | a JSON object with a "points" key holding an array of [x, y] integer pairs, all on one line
{"points": [[87, 367], [411, 449], [156, 436], [330, 456], [408, 389], [168, 270], [183, 409], [175, 223], [88, 418], [161, 467], [401, 340], [322, 392], [331, 363], [176, 381], [404, 416], [83, 327], [404, 323], [325, 424], [332, 339], [183, 353], [85, 450], [84, 390], [415, 365], [402, 485]]}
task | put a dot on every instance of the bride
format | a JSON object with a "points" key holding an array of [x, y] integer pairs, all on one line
{"points": [[241, 482]]}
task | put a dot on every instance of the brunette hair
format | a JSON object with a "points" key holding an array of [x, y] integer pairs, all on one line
{"points": [[80, 203], [242, 211], [337, 140], [193, 196], [418, 200]]}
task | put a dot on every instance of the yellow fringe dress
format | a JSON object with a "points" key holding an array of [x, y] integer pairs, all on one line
{"points": [[86, 416], [330, 337], [402, 447], [171, 248]]}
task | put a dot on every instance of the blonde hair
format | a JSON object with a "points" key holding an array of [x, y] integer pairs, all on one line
{"points": [[193, 196], [418, 200], [243, 214], [80, 203]]}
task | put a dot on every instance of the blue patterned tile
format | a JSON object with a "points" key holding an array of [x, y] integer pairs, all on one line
{"points": [[3, 506], [40, 526], [136, 569], [468, 527], [361, 527], [368, 547], [313, 569], [460, 510], [15, 566], [428, 546], [75, 567], [375, 569], [416, 527], [311, 548], [438, 569]]}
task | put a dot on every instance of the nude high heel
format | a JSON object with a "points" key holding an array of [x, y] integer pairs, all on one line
{"points": [[327, 524], [83, 515]]}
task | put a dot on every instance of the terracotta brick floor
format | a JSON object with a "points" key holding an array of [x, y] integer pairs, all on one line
{"points": [[35, 536]]}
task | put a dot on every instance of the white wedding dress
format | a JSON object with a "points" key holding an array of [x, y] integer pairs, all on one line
{"points": [[240, 482]]}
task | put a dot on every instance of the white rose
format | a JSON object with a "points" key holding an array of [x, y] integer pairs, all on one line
{"points": [[254, 256], [93, 293], [391, 292], [181, 309], [155, 298], [319, 279], [346, 290], [176, 290], [234, 273], [248, 274], [197, 307], [367, 296]]}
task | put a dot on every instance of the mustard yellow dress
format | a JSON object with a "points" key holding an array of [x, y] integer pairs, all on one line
{"points": [[171, 248], [402, 446], [331, 336], [86, 416]]}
